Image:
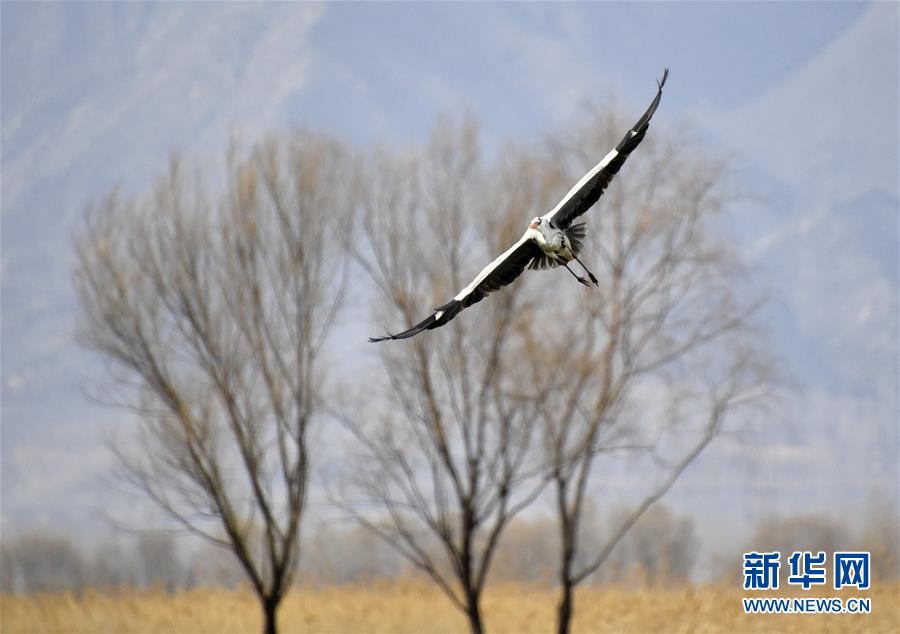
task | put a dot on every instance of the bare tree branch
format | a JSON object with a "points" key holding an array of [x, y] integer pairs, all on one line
{"points": [[214, 314], [448, 464], [667, 322]]}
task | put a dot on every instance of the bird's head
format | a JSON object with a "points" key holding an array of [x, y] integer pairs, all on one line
{"points": [[535, 222]]}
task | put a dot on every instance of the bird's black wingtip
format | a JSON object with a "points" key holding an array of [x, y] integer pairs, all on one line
{"points": [[447, 312], [662, 81]]}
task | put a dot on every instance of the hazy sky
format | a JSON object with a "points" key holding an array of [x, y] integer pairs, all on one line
{"points": [[803, 95]]}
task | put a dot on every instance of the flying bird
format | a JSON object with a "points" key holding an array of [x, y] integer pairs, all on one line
{"points": [[551, 240]]}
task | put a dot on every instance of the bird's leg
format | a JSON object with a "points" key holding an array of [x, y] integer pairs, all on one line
{"points": [[577, 277], [591, 275]]}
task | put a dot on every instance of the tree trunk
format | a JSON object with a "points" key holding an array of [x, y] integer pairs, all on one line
{"points": [[564, 614], [567, 535], [473, 611], [270, 607]]}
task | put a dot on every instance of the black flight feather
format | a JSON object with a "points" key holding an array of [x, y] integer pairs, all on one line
{"points": [[584, 198], [499, 275]]}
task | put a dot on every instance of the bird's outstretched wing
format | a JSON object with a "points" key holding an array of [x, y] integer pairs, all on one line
{"points": [[502, 271], [588, 190]]}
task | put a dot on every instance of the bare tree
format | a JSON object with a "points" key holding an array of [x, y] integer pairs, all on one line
{"points": [[527, 552], [9, 569], [660, 548], [345, 555], [813, 532], [798, 532], [881, 536], [112, 565], [658, 355], [445, 468], [43, 562], [214, 312], [159, 562]]}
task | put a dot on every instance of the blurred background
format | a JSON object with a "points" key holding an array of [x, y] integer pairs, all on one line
{"points": [[801, 97]]}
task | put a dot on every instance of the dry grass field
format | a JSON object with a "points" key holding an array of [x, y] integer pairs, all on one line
{"points": [[418, 607]]}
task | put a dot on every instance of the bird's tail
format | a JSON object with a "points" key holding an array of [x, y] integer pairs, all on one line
{"points": [[576, 234]]}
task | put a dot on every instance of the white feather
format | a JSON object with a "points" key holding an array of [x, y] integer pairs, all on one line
{"points": [[584, 180], [490, 268]]}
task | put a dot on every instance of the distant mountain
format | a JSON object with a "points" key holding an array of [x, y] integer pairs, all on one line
{"points": [[836, 273]]}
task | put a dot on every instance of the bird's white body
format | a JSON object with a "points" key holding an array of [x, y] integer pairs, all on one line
{"points": [[553, 242]]}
